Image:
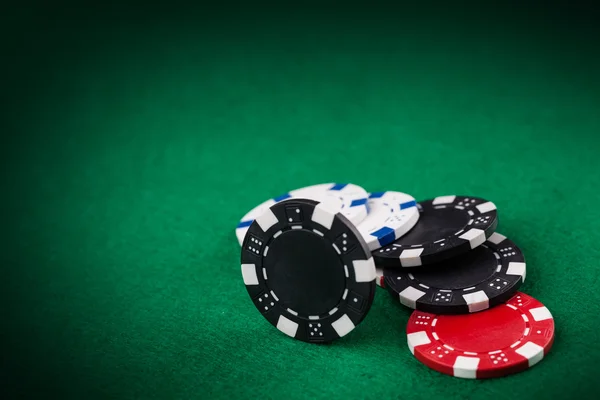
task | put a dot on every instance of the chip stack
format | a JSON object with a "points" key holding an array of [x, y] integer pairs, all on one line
{"points": [[311, 259]]}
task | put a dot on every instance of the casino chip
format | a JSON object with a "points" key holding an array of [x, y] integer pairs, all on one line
{"points": [[482, 278], [379, 277], [308, 270], [350, 200], [448, 226], [503, 340], [391, 215]]}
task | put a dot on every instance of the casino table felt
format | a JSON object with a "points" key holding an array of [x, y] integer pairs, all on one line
{"points": [[137, 137]]}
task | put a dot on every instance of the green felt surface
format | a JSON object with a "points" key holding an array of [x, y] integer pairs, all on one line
{"points": [[138, 137]]}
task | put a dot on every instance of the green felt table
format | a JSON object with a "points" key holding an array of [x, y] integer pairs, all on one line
{"points": [[136, 138]]}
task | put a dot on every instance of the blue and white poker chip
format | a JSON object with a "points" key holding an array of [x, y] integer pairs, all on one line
{"points": [[346, 198], [391, 215]]}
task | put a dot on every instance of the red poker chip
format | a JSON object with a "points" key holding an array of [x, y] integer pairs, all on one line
{"points": [[503, 340], [380, 280]]}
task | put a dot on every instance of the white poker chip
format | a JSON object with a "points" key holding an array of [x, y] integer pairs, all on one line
{"points": [[348, 199]]}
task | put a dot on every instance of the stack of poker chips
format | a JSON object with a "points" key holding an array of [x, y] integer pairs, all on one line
{"points": [[311, 260]]}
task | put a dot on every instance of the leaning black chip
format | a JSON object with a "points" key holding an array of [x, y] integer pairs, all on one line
{"points": [[308, 270]]}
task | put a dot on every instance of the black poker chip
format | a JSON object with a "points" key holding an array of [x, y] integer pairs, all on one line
{"points": [[448, 226], [308, 270], [485, 277]]}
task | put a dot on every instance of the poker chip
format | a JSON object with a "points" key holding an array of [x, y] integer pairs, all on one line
{"points": [[379, 277], [312, 258], [503, 340], [391, 215], [448, 226], [348, 199], [308, 270], [482, 278]]}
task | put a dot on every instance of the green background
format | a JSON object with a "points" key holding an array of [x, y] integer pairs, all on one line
{"points": [[136, 136]]}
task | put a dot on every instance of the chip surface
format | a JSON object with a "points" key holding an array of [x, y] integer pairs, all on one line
{"points": [[503, 340], [391, 216], [482, 278], [308, 270], [448, 226], [348, 199]]}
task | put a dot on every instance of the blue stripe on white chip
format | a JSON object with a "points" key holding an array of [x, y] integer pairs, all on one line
{"points": [[245, 224], [282, 197], [358, 202], [408, 204], [385, 235], [338, 186]]}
